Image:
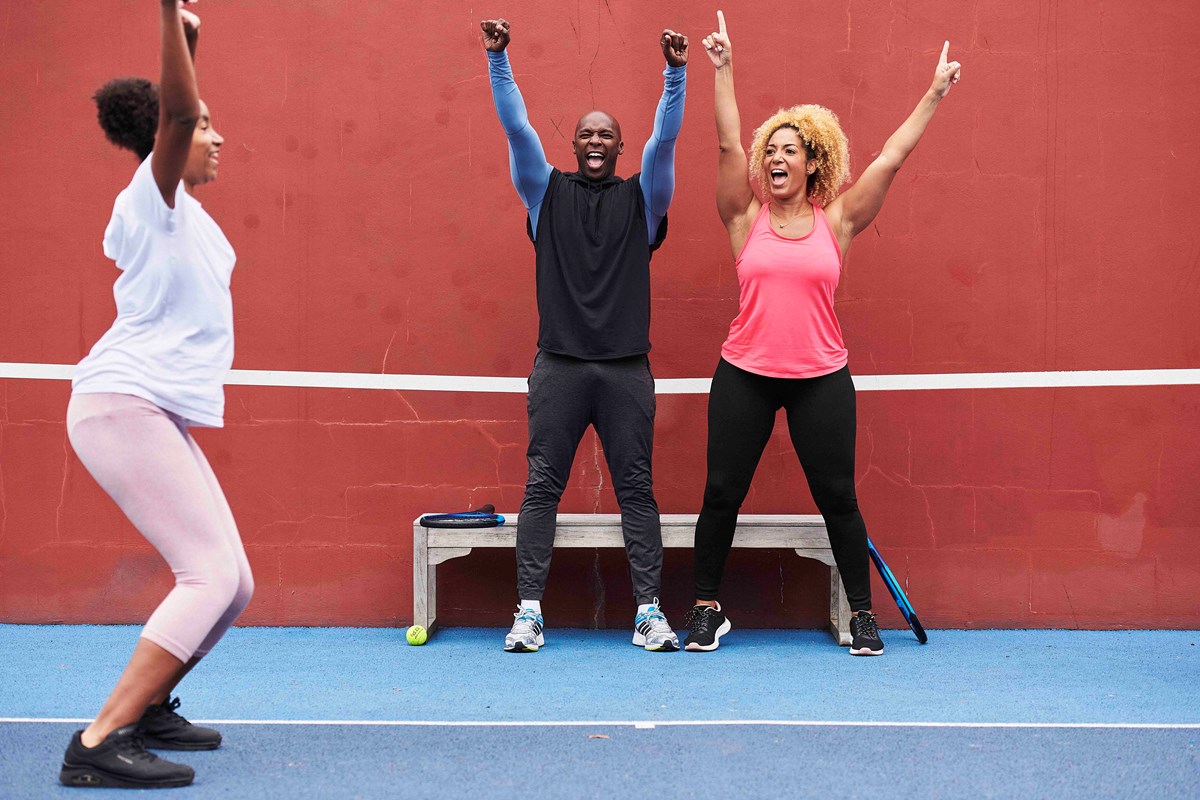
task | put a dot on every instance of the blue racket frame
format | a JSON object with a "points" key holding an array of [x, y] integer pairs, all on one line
{"points": [[485, 517], [893, 586]]}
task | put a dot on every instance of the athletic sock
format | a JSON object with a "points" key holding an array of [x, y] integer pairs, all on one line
{"points": [[536, 605]]}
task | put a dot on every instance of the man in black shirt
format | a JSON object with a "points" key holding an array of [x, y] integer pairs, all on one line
{"points": [[593, 234]]}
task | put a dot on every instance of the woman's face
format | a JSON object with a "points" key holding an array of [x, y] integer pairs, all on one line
{"points": [[203, 158], [786, 164]]}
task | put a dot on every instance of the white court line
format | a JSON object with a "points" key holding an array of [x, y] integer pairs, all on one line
{"points": [[647, 724], [483, 383]]}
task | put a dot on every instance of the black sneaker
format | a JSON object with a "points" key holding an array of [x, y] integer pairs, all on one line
{"points": [[120, 761], [707, 624], [865, 633], [163, 729]]}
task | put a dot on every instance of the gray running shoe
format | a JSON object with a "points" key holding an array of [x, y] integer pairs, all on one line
{"points": [[526, 634], [651, 631]]}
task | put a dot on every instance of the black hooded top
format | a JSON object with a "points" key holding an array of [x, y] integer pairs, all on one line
{"points": [[593, 267]]}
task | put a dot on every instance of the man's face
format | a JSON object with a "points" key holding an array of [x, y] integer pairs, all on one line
{"points": [[597, 144]]}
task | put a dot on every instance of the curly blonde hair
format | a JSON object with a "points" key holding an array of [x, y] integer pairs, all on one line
{"points": [[823, 139]]}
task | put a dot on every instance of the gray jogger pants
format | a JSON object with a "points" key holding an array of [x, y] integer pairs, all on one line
{"points": [[617, 397]]}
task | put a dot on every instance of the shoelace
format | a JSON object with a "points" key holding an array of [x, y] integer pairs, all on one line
{"points": [[657, 620], [526, 618], [867, 626], [134, 747], [699, 618], [168, 710]]}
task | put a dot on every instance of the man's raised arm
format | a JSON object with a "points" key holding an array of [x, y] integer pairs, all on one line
{"points": [[658, 159], [526, 158]]}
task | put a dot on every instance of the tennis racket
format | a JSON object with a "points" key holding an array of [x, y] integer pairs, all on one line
{"points": [[482, 517], [893, 586]]}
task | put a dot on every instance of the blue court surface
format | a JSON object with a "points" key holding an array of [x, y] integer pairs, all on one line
{"points": [[357, 713]]}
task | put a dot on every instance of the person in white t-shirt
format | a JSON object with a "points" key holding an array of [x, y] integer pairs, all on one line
{"points": [[159, 369]]}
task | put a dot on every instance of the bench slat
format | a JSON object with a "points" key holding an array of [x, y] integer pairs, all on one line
{"points": [[610, 536], [678, 530]]}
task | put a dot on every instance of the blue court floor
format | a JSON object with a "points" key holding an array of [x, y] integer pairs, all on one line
{"points": [[346, 713]]}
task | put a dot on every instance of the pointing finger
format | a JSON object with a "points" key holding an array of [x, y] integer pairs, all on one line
{"points": [[721, 21]]}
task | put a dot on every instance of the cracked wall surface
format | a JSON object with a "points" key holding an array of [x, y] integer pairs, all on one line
{"points": [[1045, 222]]}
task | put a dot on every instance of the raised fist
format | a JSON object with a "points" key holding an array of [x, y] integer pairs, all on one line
{"points": [[674, 46], [494, 34]]}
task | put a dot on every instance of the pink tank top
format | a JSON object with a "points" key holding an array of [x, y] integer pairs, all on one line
{"points": [[785, 327]]}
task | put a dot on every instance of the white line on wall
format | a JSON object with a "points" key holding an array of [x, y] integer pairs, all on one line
{"points": [[484, 383]]}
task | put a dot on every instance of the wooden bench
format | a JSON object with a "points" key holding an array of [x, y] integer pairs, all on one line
{"points": [[805, 535]]}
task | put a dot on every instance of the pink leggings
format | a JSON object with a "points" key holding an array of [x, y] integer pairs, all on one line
{"points": [[151, 467]]}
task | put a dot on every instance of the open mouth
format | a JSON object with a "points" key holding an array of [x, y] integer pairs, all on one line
{"points": [[595, 159], [778, 177]]}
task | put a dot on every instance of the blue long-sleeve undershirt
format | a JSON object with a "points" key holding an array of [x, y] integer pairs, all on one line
{"points": [[527, 159], [658, 158]]}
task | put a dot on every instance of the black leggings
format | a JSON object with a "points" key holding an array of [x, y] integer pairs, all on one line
{"points": [[821, 421]]}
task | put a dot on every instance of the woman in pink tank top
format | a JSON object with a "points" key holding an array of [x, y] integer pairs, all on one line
{"points": [[785, 349]]}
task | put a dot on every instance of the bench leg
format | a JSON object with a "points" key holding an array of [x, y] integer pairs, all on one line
{"points": [[839, 609], [424, 577], [431, 594], [425, 596], [429, 590]]}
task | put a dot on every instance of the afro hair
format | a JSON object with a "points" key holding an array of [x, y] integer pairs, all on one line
{"points": [[822, 136], [128, 112]]}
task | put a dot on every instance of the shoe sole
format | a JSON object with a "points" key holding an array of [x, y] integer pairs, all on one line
{"points": [[866, 651], [98, 778], [666, 647], [521, 647], [725, 628], [163, 744]]}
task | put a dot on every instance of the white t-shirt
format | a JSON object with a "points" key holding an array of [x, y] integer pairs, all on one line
{"points": [[172, 341]]}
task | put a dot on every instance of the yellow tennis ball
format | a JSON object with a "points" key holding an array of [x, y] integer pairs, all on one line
{"points": [[417, 635]]}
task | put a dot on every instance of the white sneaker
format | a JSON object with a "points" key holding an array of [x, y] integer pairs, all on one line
{"points": [[526, 634], [651, 631]]}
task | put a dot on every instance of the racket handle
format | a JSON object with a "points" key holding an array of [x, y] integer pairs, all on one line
{"points": [[488, 509]]}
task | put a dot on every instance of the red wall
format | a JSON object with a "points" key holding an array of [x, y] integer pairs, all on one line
{"points": [[1046, 222]]}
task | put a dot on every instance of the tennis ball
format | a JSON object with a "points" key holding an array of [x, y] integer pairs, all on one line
{"points": [[417, 635]]}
